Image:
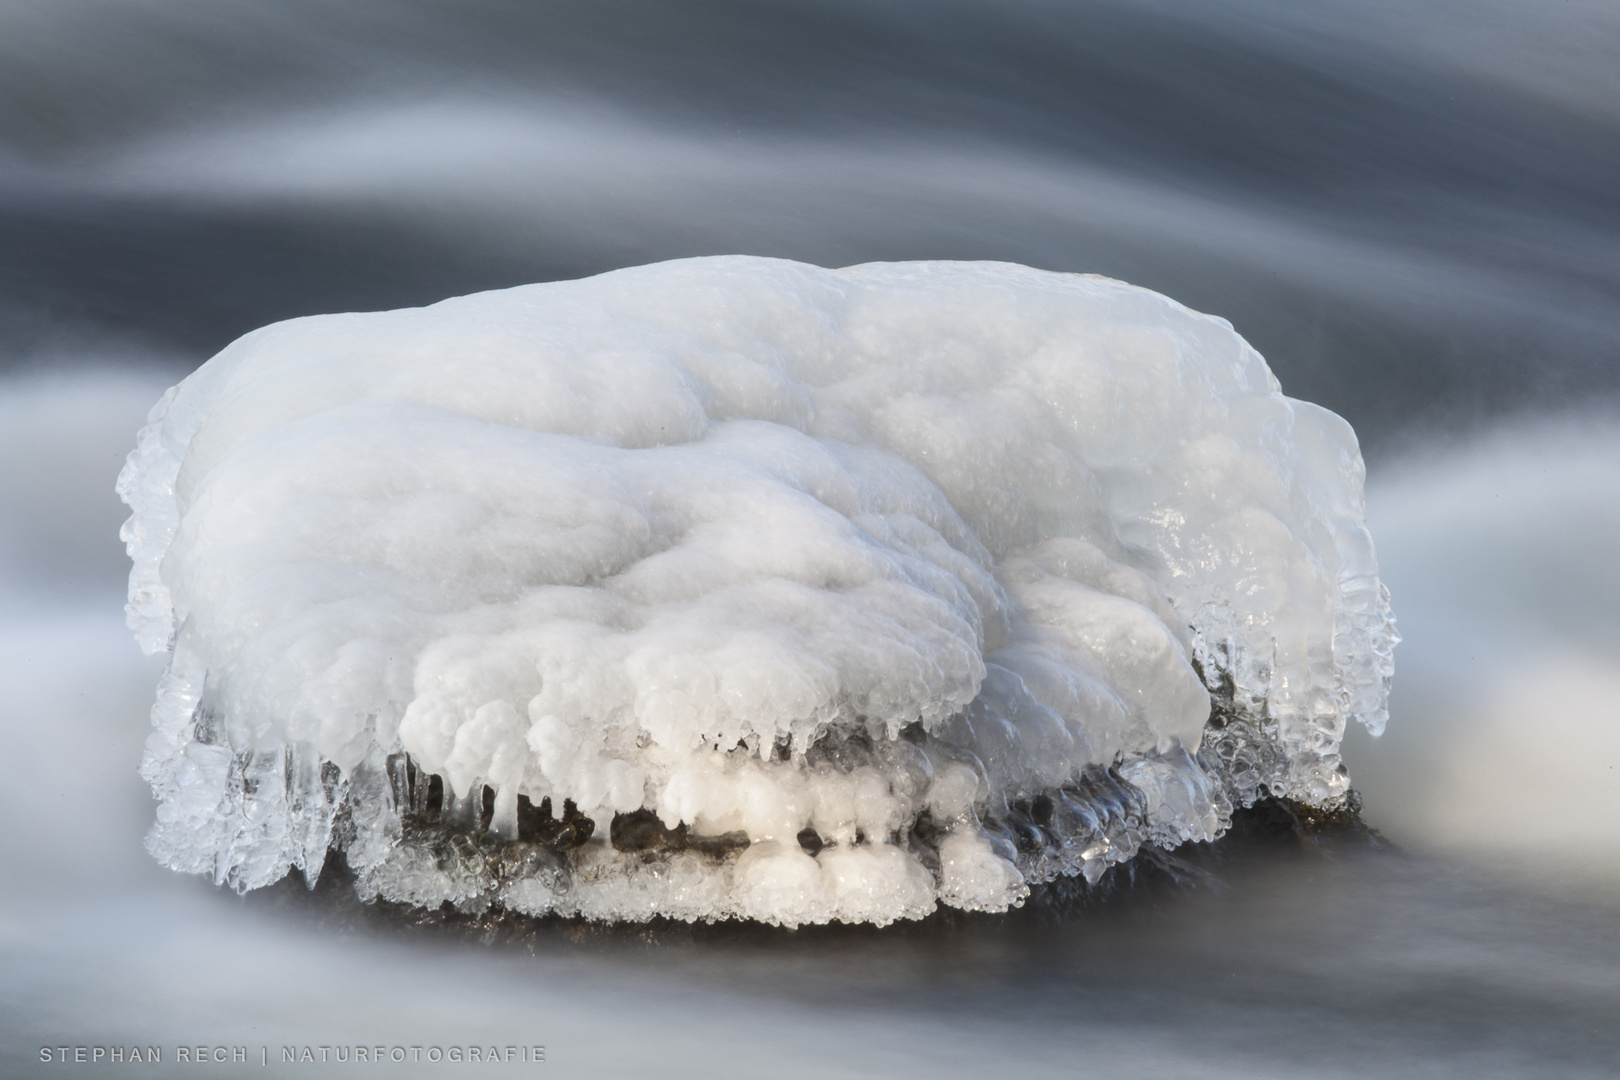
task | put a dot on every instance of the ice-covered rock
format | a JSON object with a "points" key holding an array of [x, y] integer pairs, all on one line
{"points": [[740, 587]]}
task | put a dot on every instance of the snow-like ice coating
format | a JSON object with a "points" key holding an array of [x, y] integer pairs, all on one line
{"points": [[741, 587]]}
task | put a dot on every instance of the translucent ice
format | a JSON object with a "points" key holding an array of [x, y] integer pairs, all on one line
{"points": [[739, 587]]}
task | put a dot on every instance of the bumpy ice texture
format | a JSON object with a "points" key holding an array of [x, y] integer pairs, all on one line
{"points": [[737, 587]]}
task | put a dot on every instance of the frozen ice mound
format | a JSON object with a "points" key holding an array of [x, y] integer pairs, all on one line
{"points": [[737, 587]]}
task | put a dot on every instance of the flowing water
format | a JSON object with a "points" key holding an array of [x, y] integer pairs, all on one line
{"points": [[1411, 210]]}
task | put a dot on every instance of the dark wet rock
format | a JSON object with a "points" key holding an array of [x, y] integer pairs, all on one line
{"points": [[536, 823]]}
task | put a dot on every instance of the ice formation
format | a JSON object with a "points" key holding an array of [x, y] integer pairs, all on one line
{"points": [[736, 587]]}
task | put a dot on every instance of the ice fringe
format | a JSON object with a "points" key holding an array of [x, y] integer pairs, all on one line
{"points": [[736, 587]]}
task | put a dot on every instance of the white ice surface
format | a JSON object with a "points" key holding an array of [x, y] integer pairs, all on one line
{"points": [[652, 539]]}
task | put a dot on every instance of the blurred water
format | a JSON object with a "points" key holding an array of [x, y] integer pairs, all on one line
{"points": [[1501, 550], [1411, 209]]}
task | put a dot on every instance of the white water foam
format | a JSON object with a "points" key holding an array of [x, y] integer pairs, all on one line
{"points": [[839, 594], [1501, 548]]}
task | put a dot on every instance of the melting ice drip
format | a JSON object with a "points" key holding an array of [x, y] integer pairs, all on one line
{"points": [[736, 587]]}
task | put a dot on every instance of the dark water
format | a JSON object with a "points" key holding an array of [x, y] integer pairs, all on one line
{"points": [[1412, 209]]}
